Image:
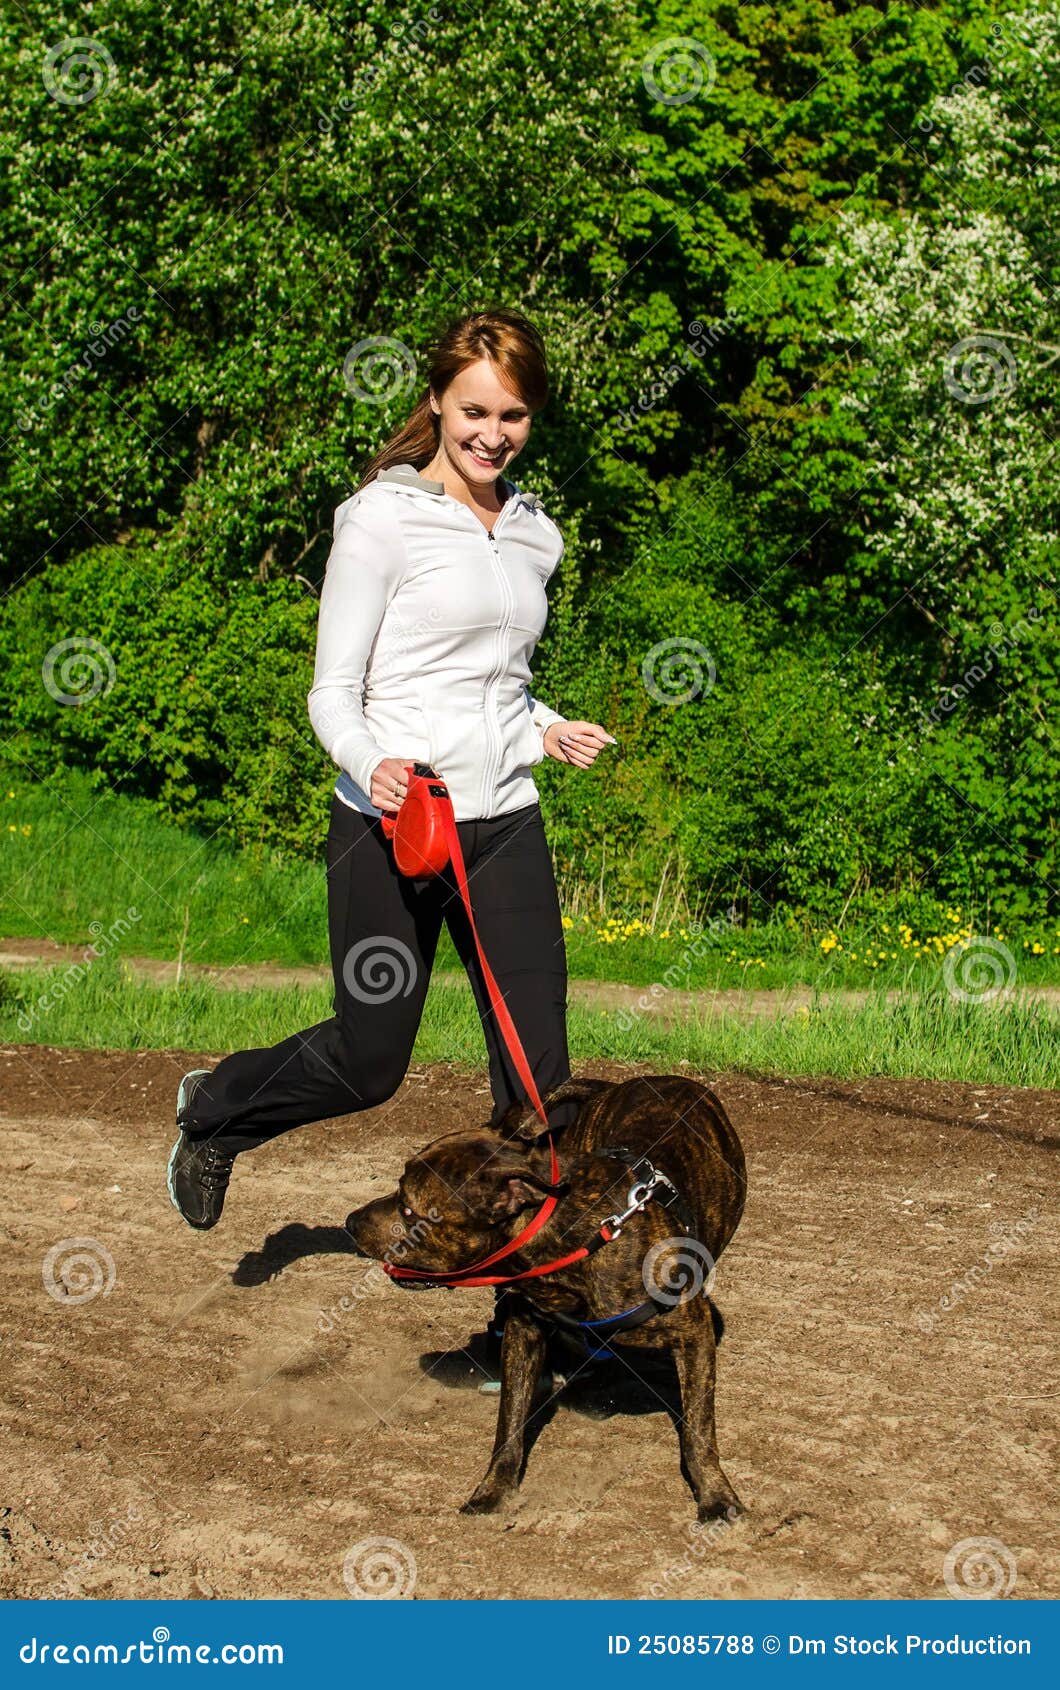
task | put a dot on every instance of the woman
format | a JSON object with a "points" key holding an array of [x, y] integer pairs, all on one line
{"points": [[432, 603]]}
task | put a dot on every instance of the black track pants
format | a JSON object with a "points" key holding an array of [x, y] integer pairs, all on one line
{"points": [[383, 932]]}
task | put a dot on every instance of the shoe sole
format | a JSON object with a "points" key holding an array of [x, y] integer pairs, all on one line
{"points": [[182, 1097]]}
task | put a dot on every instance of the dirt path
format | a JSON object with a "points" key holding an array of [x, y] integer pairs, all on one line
{"points": [[216, 1424], [599, 994]]}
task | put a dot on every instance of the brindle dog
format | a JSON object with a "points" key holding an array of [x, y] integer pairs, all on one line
{"points": [[468, 1193]]}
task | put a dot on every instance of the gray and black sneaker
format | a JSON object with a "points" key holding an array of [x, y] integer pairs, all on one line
{"points": [[199, 1170]]}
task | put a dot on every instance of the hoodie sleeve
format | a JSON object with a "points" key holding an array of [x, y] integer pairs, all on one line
{"points": [[364, 567], [540, 714]]}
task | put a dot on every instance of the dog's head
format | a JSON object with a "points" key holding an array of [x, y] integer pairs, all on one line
{"points": [[456, 1201]]}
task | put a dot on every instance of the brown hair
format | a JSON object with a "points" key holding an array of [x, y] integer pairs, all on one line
{"points": [[508, 339]]}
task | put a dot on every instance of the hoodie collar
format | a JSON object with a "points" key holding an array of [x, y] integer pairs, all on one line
{"points": [[406, 475]]}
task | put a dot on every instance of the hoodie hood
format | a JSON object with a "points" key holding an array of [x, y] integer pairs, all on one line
{"points": [[406, 475]]}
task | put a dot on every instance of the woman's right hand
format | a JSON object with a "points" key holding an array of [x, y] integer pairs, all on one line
{"points": [[389, 785]]}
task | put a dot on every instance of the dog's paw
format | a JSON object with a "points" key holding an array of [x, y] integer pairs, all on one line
{"points": [[484, 1502], [724, 1505]]}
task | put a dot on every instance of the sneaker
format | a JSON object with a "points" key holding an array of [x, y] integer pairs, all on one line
{"points": [[198, 1171]]}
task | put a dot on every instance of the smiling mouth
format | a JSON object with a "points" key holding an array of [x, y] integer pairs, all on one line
{"points": [[485, 462]]}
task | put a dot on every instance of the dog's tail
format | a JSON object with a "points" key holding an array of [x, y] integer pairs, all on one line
{"points": [[521, 1119]]}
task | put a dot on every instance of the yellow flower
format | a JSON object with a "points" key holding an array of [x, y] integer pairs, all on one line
{"points": [[567, 922]]}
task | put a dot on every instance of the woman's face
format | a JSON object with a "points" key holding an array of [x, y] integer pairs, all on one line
{"points": [[484, 425]]}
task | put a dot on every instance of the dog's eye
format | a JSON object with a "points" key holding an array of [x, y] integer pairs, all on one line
{"points": [[407, 1212]]}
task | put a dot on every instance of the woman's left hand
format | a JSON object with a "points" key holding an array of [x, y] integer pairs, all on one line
{"points": [[577, 742]]}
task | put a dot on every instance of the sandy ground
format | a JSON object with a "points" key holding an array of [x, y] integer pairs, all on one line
{"points": [[203, 1417]]}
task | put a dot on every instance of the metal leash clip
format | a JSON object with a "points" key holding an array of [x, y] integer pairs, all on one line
{"points": [[640, 1195]]}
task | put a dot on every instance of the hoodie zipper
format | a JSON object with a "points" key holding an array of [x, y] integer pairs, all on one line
{"points": [[499, 649]]}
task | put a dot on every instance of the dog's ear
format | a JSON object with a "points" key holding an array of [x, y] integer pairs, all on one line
{"points": [[521, 1120], [503, 1190]]}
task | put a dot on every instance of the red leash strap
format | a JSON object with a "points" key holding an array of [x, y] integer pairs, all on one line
{"points": [[497, 1003], [467, 1276]]}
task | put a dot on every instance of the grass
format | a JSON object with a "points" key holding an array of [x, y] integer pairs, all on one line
{"points": [[82, 868], [77, 866], [930, 1036]]}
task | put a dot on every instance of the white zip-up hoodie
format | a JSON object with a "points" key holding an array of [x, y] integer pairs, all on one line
{"points": [[426, 627]]}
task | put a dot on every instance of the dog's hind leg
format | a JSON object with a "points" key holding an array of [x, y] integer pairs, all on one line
{"points": [[522, 1358], [694, 1358]]}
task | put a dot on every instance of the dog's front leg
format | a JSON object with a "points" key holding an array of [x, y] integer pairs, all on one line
{"points": [[694, 1355], [522, 1356]]}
